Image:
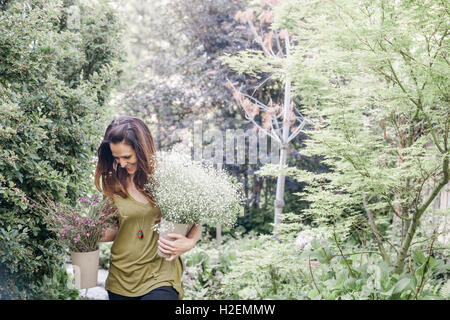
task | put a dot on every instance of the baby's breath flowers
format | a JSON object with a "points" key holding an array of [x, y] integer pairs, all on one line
{"points": [[188, 192]]}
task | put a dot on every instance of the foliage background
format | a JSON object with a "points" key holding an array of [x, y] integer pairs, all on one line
{"points": [[54, 84], [370, 76]]}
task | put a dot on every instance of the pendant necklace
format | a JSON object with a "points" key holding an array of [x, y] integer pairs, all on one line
{"points": [[140, 233]]}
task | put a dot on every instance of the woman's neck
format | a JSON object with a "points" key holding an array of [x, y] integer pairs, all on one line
{"points": [[130, 179]]}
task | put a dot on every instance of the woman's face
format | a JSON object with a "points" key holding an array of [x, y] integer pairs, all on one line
{"points": [[125, 156]]}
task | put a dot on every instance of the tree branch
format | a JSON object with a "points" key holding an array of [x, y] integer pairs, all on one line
{"points": [[416, 218], [425, 269], [375, 231], [297, 131], [395, 211], [339, 248], [435, 192], [258, 39], [312, 276]]}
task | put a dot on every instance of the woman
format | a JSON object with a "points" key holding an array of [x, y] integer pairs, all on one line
{"points": [[137, 271]]}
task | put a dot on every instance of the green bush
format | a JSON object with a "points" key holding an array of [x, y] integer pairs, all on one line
{"points": [[269, 270], [53, 115], [205, 267], [105, 254], [260, 267]]}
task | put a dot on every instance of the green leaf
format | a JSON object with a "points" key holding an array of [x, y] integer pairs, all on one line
{"points": [[421, 270], [342, 275], [331, 284], [320, 256], [401, 285], [432, 262], [34, 156], [419, 257], [350, 284], [313, 293], [445, 290]]}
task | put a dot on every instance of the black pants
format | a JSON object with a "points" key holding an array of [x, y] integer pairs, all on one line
{"points": [[161, 293]]}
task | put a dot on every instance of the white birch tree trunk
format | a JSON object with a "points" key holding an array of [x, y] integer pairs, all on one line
{"points": [[279, 195], [248, 103], [219, 226]]}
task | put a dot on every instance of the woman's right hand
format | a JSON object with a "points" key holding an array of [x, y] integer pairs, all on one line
{"points": [[109, 234]]}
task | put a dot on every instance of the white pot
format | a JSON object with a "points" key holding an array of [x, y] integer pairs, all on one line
{"points": [[166, 227], [85, 268]]}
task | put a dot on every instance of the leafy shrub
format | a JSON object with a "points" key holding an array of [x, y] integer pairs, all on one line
{"points": [[260, 267], [269, 270], [105, 254], [258, 220], [206, 265], [52, 117]]}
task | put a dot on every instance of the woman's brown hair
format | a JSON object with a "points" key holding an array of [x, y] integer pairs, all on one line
{"points": [[135, 133]]}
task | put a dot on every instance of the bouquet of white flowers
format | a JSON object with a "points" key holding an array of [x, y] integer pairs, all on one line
{"points": [[189, 193]]}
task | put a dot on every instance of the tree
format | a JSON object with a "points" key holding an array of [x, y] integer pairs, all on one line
{"points": [[372, 75], [180, 78], [175, 46], [280, 122]]}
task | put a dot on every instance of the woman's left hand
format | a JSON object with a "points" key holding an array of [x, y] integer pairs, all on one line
{"points": [[178, 246]]}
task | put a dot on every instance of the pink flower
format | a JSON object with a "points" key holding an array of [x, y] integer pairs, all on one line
{"points": [[84, 200], [76, 239]]}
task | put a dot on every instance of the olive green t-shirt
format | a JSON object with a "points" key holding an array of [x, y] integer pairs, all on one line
{"points": [[135, 267]]}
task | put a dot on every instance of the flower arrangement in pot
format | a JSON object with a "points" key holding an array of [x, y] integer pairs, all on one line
{"points": [[80, 228], [188, 193]]}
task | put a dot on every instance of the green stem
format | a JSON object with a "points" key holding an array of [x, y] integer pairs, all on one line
{"points": [[375, 231], [425, 269], [340, 250], [312, 276]]}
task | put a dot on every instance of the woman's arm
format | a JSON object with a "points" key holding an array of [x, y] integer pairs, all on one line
{"points": [[109, 234], [181, 243]]}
